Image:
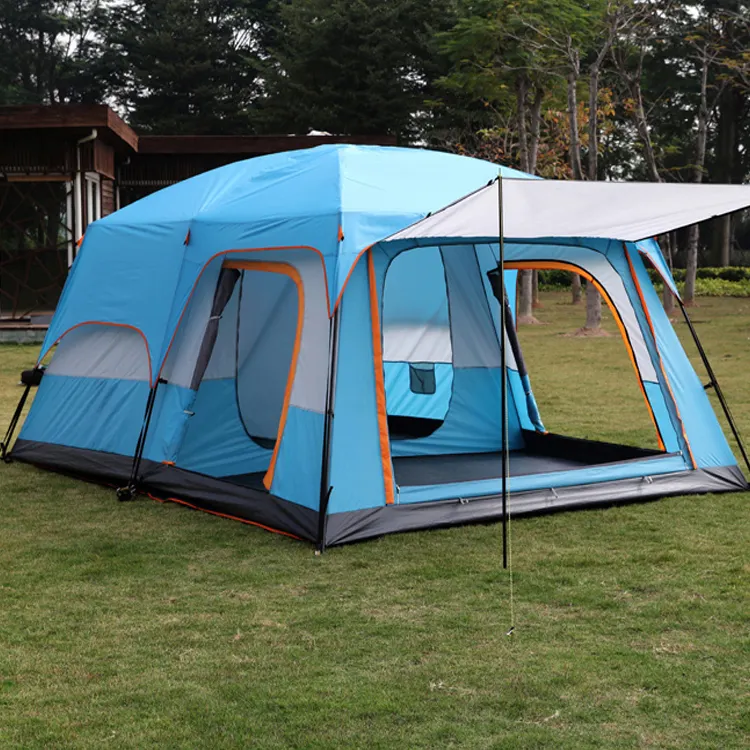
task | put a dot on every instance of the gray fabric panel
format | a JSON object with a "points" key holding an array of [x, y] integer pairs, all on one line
{"points": [[101, 351], [267, 332], [224, 289], [415, 317], [472, 330], [180, 363], [352, 526]]}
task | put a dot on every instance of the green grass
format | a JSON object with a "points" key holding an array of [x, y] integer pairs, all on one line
{"points": [[143, 625]]}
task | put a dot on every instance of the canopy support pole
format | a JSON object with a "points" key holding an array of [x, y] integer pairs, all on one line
{"points": [[325, 471], [497, 282], [714, 383], [503, 369]]}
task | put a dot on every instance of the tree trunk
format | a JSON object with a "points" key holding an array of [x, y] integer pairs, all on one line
{"points": [[535, 303], [593, 308], [535, 126], [725, 240], [668, 301], [575, 286], [691, 267], [525, 299], [525, 278], [574, 149], [724, 170], [700, 160], [593, 325], [523, 143]]}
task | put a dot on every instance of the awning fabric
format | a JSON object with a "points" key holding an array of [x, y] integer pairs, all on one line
{"points": [[537, 209]]}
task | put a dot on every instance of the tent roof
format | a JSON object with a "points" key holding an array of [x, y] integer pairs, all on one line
{"points": [[138, 266], [305, 197]]}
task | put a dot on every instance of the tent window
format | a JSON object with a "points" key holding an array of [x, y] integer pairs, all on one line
{"points": [[417, 348], [422, 379]]}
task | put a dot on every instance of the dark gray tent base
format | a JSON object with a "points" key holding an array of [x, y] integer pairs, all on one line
{"points": [[248, 503], [165, 481], [354, 526]]}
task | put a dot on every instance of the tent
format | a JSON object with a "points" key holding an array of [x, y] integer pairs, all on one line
{"points": [[296, 341]]}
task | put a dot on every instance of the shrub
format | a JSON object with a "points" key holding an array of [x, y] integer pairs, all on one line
{"points": [[554, 280]]}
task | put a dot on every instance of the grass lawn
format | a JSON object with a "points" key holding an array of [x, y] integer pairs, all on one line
{"points": [[146, 625]]}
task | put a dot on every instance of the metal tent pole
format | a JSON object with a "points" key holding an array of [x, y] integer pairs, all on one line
{"points": [[714, 383], [503, 372], [325, 472]]}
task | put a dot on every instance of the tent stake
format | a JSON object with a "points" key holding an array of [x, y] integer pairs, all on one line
{"points": [[714, 383]]}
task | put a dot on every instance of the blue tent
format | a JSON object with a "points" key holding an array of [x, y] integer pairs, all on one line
{"points": [[250, 342]]}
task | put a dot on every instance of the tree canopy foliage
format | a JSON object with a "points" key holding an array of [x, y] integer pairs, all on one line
{"points": [[594, 89]]}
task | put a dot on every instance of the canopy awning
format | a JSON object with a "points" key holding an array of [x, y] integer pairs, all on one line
{"points": [[537, 209]]}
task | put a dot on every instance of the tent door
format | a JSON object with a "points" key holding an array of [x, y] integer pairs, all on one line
{"points": [[269, 329]]}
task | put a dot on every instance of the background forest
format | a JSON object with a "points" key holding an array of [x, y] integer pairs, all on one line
{"points": [[597, 89]]}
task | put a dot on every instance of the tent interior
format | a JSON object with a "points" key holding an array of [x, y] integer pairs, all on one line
{"points": [[441, 369], [249, 368], [442, 377]]}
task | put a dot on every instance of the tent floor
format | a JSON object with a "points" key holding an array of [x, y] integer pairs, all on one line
{"points": [[415, 471], [543, 454]]}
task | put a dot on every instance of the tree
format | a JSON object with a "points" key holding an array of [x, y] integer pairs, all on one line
{"points": [[353, 66], [578, 35], [678, 44], [500, 57], [50, 51], [189, 66]]}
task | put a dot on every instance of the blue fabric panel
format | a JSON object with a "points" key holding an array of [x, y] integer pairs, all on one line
{"points": [[402, 401], [356, 467], [655, 395], [299, 461], [588, 475], [472, 424], [517, 396], [707, 441], [100, 414], [215, 441], [386, 189], [124, 274], [169, 422], [531, 407]]}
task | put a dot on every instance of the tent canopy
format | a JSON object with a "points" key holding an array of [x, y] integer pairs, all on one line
{"points": [[537, 209], [545, 209]]}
